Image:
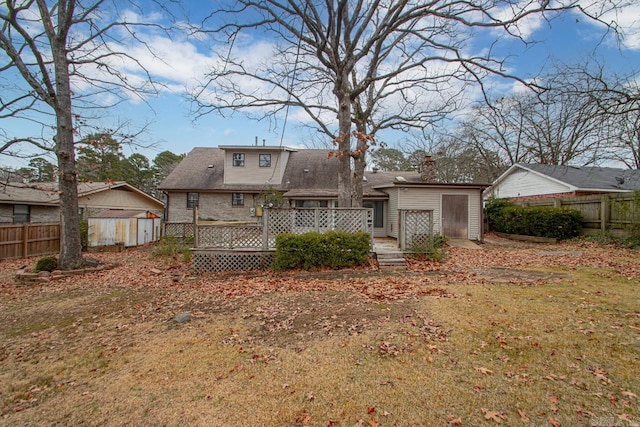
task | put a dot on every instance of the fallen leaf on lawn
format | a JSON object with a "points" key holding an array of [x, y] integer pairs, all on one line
{"points": [[626, 417], [373, 423], [454, 421], [523, 416], [310, 396], [630, 394], [371, 410], [493, 415], [484, 370], [554, 422]]}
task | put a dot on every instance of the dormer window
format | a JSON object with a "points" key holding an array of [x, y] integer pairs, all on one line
{"points": [[238, 159], [264, 160]]}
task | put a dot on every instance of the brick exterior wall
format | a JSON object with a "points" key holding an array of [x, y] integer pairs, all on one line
{"points": [[553, 196], [212, 206], [37, 213]]}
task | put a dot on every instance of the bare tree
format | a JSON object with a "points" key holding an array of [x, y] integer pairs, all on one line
{"points": [[617, 97], [368, 64], [457, 161], [61, 60]]}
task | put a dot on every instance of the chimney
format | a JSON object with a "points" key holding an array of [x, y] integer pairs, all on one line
{"points": [[429, 173]]}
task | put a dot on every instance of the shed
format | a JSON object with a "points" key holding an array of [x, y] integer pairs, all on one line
{"points": [[127, 227]]}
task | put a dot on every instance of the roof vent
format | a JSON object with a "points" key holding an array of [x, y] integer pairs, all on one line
{"points": [[210, 166], [401, 179], [306, 171]]}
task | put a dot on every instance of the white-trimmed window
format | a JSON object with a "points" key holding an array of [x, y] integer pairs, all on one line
{"points": [[264, 160], [238, 159], [237, 199]]}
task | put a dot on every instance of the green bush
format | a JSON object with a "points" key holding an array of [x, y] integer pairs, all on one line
{"points": [[335, 249], [493, 213], [48, 263], [84, 233], [558, 223], [170, 246]]}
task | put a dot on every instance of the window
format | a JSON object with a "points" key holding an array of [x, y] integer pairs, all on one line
{"points": [[238, 159], [237, 199], [264, 161], [193, 200], [21, 213]]}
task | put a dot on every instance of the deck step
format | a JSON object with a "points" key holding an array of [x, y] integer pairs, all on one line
{"points": [[391, 260]]}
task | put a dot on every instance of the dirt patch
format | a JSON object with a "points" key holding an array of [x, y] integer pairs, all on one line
{"points": [[296, 320], [511, 275]]}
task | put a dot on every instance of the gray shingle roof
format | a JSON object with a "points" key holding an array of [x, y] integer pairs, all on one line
{"points": [[590, 178], [309, 173], [46, 193]]}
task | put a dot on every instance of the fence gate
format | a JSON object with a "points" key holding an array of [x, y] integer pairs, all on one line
{"points": [[416, 228]]}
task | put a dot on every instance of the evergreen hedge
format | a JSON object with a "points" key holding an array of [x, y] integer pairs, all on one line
{"points": [[335, 249], [558, 223]]}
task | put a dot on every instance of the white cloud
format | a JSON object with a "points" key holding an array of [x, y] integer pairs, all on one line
{"points": [[626, 18]]}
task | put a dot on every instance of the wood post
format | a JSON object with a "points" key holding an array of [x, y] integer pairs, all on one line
{"points": [[25, 240], [605, 212]]}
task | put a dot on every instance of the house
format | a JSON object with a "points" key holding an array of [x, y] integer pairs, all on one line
{"points": [[535, 181], [39, 202], [229, 183]]}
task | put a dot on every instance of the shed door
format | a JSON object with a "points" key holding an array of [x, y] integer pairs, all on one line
{"points": [[145, 230], [455, 215]]}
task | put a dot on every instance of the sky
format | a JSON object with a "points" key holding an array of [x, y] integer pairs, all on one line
{"points": [[170, 124]]}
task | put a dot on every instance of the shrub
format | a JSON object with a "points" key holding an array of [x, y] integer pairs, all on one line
{"points": [[335, 249], [493, 213], [429, 247], [84, 233], [558, 223], [48, 263], [170, 246]]}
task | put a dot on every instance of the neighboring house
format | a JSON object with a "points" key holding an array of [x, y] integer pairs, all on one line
{"points": [[534, 181], [39, 202], [229, 182]]}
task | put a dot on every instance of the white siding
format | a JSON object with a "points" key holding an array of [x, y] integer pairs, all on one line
{"points": [[392, 210], [251, 172], [522, 183], [431, 199]]}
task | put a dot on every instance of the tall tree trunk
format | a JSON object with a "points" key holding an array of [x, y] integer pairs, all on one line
{"points": [[360, 163], [70, 243], [344, 148]]}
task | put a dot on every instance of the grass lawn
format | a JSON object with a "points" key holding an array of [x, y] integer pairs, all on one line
{"points": [[532, 335]]}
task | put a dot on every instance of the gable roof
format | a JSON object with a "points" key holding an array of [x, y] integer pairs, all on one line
{"points": [[46, 193], [586, 178], [308, 173]]}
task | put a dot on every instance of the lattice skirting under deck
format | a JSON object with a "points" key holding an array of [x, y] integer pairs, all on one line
{"points": [[217, 260]]}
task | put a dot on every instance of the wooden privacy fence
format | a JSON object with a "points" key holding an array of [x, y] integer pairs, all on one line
{"points": [[613, 213], [26, 240]]}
